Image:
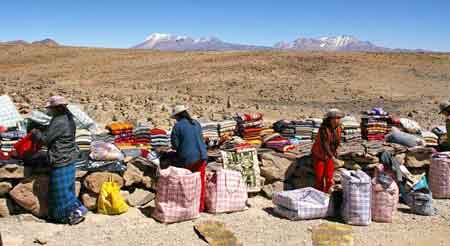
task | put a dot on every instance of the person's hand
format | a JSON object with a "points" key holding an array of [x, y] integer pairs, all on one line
{"points": [[337, 163]]}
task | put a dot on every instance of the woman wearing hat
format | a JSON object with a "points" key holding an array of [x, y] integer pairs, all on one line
{"points": [[324, 150], [444, 108], [59, 137], [187, 140]]}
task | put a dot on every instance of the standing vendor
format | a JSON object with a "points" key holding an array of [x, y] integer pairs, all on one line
{"points": [[59, 137], [444, 108], [187, 140], [324, 150]]}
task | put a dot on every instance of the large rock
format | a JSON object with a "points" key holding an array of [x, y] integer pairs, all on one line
{"points": [[140, 197], [12, 171], [5, 188], [132, 175], [418, 157], [364, 158], [94, 181], [270, 189], [275, 168], [32, 195], [89, 200], [6, 207]]}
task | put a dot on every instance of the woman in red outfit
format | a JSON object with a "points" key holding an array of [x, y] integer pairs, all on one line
{"points": [[324, 150]]}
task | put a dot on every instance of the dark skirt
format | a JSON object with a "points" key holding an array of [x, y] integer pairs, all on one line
{"points": [[62, 200]]}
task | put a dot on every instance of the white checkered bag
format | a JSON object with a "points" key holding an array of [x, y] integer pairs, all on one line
{"points": [[225, 192], [356, 206], [439, 176], [177, 195], [9, 116], [301, 204]]}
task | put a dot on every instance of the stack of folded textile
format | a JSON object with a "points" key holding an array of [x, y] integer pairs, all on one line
{"points": [[375, 125], [234, 143], [431, 139], [122, 131], [159, 138], [298, 131], [351, 129], [227, 128], [250, 127], [142, 135], [210, 133], [83, 138], [316, 126], [277, 142], [441, 132], [9, 137]]}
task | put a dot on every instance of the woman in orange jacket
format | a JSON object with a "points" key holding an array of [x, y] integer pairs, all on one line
{"points": [[324, 150]]}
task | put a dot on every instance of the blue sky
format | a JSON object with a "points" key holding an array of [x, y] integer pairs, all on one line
{"points": [[394, 23]]}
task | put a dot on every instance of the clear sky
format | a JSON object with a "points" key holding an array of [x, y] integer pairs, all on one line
{"points": [[395, 23]]}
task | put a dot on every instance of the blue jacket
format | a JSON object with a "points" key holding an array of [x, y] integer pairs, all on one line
{"points": [[187, 140]]}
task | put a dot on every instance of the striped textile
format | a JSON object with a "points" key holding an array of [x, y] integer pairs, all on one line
{"points": [[356, 208]]}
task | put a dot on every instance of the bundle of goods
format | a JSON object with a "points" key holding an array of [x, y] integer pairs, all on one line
{"points": [[439, 175], [385, 195], [122, 131], [301, 204], [316, 126], [159, 138], [142, 135], [83, 138], [277, 142], [9, 116], [235, 143], [410, 126], [351, 129], [10, 137], [227, 129], [177, 196], [375, 124], [300, 131], [441, 132], [225, 192], [250, 127], [82, 120], [403, 138], [101, 151], [357, 192], [210, 133], [245, 161], [431, 139]]}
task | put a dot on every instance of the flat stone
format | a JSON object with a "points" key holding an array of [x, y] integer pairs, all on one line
{"points": [[94, 181], [89, 200], [270, 189], [418, 157], [6, 207], [32, 195], [276, 168], [140, 197], [132, 175], [12, 171], [5, 188]]}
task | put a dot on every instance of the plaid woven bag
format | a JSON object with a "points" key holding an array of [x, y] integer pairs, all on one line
{"points": [[384, 200], [301, 204], [439, 175], [225, 192], [177, 195], [357, 198]]}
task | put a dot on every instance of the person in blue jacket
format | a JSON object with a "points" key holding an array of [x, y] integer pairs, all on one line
{"points": [[187, 140]]}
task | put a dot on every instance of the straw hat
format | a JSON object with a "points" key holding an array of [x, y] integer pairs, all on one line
{"points": [[56, 101], [444, 106], [178, 109], [334, 113]]}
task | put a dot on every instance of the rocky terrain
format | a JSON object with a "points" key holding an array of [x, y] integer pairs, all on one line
{"points": [[142, 85]]}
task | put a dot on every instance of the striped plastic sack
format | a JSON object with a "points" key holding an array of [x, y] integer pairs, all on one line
{"points": [[357, 198], [439, 175], [384, 199], [301, 204]]}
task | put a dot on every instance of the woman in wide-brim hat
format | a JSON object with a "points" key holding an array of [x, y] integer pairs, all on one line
{"points": [[444, 109], [187, 140], [324, 150], [59, 137]]}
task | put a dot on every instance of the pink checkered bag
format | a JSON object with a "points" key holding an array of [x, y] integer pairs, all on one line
{"points": [[439, 176], [384, 199], [225, 192], [177, 195]]}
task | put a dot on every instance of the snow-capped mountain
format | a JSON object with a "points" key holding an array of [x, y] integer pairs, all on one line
{"points": [[168, 42], [338, 43]]}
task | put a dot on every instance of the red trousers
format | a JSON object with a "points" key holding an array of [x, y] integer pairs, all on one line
{"points": [[324, 174], [200, 166]]}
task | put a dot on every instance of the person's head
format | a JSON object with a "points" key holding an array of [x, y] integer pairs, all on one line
{"points": [[56, 105], [180, 112], [333, 117], [444, 108]]}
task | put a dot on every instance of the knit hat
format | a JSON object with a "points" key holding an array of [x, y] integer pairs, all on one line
{"points": [[178, 109], [444, 106], [334, 113], [56, 101]]}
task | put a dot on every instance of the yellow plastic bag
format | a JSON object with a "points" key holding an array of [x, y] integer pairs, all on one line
{"points": [[110, 201]]}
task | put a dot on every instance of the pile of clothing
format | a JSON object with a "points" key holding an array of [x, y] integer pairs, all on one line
{"points": [[375, 124], [210, 133], [351, 129], [142, 135], [159, 138], [316, 126], [297, 131], [83, 139], [250, 127], [9, 137], [277, 142], [227, 129], [441, 132], [122, 131], [431, 139]]}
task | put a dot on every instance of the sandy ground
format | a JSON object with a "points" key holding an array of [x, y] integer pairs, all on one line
{"points": [[256, 226]]}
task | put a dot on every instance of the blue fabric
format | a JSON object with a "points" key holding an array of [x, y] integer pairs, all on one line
{"points": [[187, 140], [61, 198]]}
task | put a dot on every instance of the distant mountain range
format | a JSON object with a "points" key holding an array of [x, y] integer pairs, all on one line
{"points": [[46, 42], [168, 42]]}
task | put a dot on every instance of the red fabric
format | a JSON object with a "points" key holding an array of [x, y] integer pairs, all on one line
{"points": [[26, 146], [317, 151], [157, 131], [2, 129], [324, 174], [200, 166]]}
